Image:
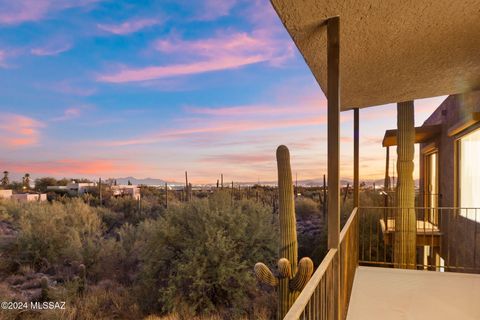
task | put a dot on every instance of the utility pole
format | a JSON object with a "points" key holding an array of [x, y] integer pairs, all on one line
{"points": [[186, 186], [296, 184], [100, 190], [166, 195]]}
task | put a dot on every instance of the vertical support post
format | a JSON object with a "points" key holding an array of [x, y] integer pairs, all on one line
{"points": [[386, 184], [333, 96], [333, 166], [325, 201], [356, 154], [405, 217]]}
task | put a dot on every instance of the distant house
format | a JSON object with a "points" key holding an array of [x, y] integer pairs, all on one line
{"points": [[73, 188], [5, 194], [126, 190], [28, 197]]}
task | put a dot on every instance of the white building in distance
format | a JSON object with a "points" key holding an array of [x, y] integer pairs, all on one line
{"points": [[126, 190], [74, 188]]}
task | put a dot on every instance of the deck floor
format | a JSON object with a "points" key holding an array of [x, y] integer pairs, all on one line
{"points": [[383, 293]]}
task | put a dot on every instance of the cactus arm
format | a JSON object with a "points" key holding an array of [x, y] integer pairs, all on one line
{"points": [[264, 275], [304, 273], [284, 268]]}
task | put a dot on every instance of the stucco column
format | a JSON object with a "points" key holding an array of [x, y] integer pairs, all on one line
{"points": [[405, 219]]}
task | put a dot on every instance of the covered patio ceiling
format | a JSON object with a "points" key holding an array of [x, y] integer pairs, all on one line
{"points": [[390, 51]]}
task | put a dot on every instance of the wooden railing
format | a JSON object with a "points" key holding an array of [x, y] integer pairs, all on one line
{"points": [[349, 254], [327, 294], [446, 238]]}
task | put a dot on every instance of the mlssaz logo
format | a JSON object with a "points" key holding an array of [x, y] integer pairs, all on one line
{"points": [[48, 305]]}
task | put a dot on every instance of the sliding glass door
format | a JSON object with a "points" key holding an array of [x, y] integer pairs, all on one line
{"points": [[468, 184]]}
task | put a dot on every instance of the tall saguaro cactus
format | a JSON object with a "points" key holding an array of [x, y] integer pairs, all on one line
{"points": [[292, 277], [405, 218]]}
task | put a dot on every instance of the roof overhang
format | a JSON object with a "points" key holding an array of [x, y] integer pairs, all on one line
{"points": [[390, 51], [463, 124], [422, 134]]}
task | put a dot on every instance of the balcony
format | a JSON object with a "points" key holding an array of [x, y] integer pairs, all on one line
{"points": [[369, 287]]}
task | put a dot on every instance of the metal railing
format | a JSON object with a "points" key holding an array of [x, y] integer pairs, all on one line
{"points": [[446, 238], [326, 296]]}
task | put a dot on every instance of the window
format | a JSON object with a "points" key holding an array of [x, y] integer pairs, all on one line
{"points": [[431, 185], [469, 174]]}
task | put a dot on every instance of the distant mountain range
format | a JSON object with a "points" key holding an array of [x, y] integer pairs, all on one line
{"points": [[146, 181], [307, 182]]}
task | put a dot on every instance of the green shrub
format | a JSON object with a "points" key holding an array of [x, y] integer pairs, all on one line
{"points": [[197, 258], [306, 207], [55, 231]]}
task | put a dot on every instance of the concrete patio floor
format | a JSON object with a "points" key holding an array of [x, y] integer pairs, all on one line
{"points": [[384, 293]]}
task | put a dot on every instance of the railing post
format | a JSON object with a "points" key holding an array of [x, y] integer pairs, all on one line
{"points": [[333, 96], [356, 154]]}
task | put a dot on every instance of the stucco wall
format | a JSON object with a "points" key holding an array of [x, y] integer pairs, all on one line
{"points": [[461, 240], [453, 110]]}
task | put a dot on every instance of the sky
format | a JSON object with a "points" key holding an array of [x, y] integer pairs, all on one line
{"points": [[104, 88]]}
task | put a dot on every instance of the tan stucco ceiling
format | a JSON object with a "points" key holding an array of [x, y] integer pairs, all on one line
{"points": [[390, 50]]}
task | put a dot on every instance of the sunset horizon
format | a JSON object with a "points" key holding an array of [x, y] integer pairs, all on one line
{"points": [[239, 159], [207, 94]]}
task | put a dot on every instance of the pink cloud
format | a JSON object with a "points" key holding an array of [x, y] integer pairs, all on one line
{"points": [[257, 110], [222, 44], [3, 58], [128, 27], [225, 51], [260, 42], [20, 11], [150, 73], [213, 9], [66, 167], [72, 113], [231, 126], [50, 50], [19, 131], [239, 158], [70, 89]]}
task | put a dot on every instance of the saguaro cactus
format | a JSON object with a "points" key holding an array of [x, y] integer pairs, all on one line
{"points": [[82, 277], [405, 219], [291, 277], [45, 289]]}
